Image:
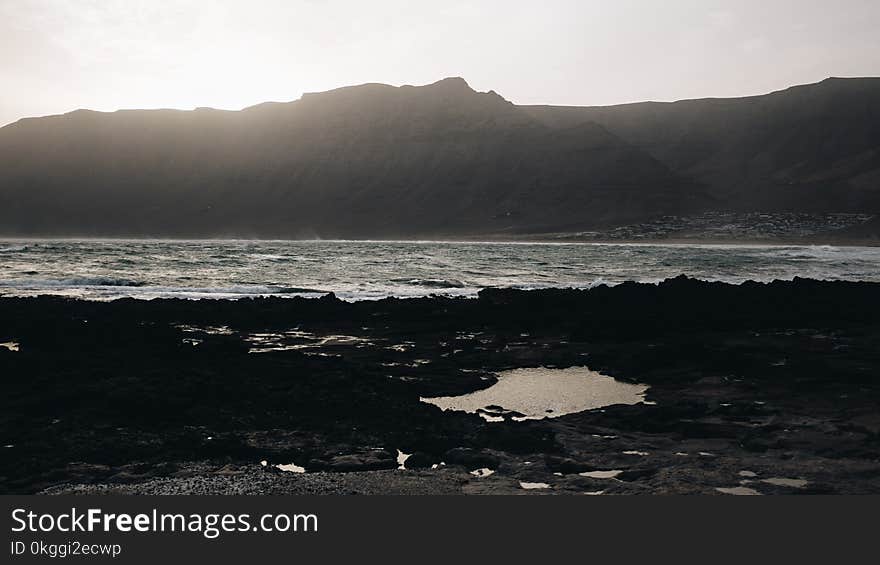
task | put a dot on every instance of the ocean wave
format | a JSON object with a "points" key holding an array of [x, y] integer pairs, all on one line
{"points": [[431, 283], [599, 282], [403, 293], [244, 290], [142, 292], [271, 257], [807, 252], [298, 290], [73, 282], [13, 248], [575, 285]]}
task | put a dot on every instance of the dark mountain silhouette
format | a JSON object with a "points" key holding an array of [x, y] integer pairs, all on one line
{"points": [[811, 148], [379, 161], [364, 161]]}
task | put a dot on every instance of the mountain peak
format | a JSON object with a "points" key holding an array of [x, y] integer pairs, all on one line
{"points": [[452, 83]]}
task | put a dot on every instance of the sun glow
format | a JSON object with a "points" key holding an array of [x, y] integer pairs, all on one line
{"points": [[59, 55]]}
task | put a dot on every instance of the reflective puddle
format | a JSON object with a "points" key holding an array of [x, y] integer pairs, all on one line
{"points": [[293, 340], [784, 482], [601, 474], [210, 330], [401, 459], [535, 393], [741, 491], [533, 486], [291, 468]]}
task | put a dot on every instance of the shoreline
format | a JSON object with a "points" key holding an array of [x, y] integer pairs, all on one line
{"points": [[776, 380], [437, 294]]}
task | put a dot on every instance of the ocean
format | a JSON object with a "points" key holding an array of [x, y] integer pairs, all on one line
{"points": [[369, 270]]}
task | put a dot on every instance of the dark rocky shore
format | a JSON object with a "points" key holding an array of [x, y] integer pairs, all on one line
{"points": [[758, 388]]}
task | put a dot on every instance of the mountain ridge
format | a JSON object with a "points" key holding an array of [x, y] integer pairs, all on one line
{"points": [[826, 80], [820, 139], [375, 160]]}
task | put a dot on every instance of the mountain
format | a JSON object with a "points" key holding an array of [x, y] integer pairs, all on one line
{"points": [[810, 148], [363, 161], [438, 160]]}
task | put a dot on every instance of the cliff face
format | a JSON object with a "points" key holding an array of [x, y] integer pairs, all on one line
{"points": [[365, 161], [379, 161], [809, 148]]}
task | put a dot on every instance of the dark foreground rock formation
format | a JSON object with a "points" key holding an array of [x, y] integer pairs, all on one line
{"points": [[758, 388]]}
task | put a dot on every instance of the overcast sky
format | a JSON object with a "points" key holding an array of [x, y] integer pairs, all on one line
{"points": [[59, 55]]}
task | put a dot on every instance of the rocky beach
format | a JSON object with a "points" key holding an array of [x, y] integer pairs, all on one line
{"points": [[757, 388]]}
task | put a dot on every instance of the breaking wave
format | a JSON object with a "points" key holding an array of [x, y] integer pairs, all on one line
{"points": [[73, 282], [12, 248], [431, 283]]}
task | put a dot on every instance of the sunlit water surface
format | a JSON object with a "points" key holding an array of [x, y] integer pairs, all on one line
{"points": [[108, 269]]}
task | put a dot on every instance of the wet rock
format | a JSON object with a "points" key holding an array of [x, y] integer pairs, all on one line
{"points": [[229, 470], [636, 474], [713, 377], [470, 458], [565, 465], [363, 461], [420, 460]]}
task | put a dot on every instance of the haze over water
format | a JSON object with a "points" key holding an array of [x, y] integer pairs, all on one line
{"points": [[362, 270]]}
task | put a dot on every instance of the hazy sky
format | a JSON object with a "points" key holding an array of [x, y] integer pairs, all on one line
{"points": [[59, 55]]}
